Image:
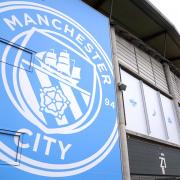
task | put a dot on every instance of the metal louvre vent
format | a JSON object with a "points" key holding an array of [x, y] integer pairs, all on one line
{"points": [[126, 54], [145, 66], [176, 85], [160, 78], [141, 63]]}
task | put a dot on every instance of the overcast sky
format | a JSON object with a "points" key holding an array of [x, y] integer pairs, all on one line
{"points": [[171, 9]]}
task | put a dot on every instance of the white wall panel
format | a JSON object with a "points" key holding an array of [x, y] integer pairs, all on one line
{"points": [[171, 120], [135, 117], [155, 117]]}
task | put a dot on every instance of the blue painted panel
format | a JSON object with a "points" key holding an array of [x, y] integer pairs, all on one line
{"points": [[57, 88]]}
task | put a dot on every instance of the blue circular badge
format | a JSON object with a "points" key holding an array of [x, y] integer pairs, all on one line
{"points": [[60, 83]]}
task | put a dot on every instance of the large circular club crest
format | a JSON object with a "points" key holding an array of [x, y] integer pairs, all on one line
{"points": [[60, 82]]}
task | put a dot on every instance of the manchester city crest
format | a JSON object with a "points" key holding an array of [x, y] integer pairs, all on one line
{"points": [[58, 85], [62, 100]]}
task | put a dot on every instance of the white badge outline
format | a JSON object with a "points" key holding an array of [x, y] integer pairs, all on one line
{"points": [[25, 111]]}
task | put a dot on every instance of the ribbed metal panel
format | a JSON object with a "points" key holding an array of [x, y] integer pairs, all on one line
{"points": [[175, 84], [178, 87], [126, 55], [145, 66], [160, 78], [141, 63], [149, 158]]}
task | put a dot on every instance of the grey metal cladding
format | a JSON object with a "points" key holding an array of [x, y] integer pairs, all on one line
{"points": [[141, 63], [176, 85], [145, 158], [126, 54]]}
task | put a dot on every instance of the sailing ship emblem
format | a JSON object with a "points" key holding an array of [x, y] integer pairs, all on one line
{"points": [[60, 65], [53, 100], [60, 95]]}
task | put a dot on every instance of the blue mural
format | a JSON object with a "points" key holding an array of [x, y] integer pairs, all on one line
{"points": [[57, 99]]}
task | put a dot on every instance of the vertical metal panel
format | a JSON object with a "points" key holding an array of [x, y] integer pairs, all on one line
{"points": [[121, 114], [159, 74], [125, 54], [178, 86], [175, 85], [145, 66]]}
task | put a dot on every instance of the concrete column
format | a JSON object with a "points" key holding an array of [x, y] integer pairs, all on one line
{"points": [[171, 90], [121, 116]]}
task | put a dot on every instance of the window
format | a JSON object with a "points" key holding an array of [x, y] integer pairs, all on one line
{"points": [[148, 112]]}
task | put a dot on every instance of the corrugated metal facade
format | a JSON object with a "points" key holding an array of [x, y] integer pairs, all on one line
{"points": [[147, 110], [176, 85], [142, 64], [161, 159], [126, 54], [149, 106]]}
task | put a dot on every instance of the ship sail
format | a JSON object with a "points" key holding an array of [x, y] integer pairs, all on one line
{"points": [[51, 59], [63, 68], [76, 73], [40, 55], [63, 64]]}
